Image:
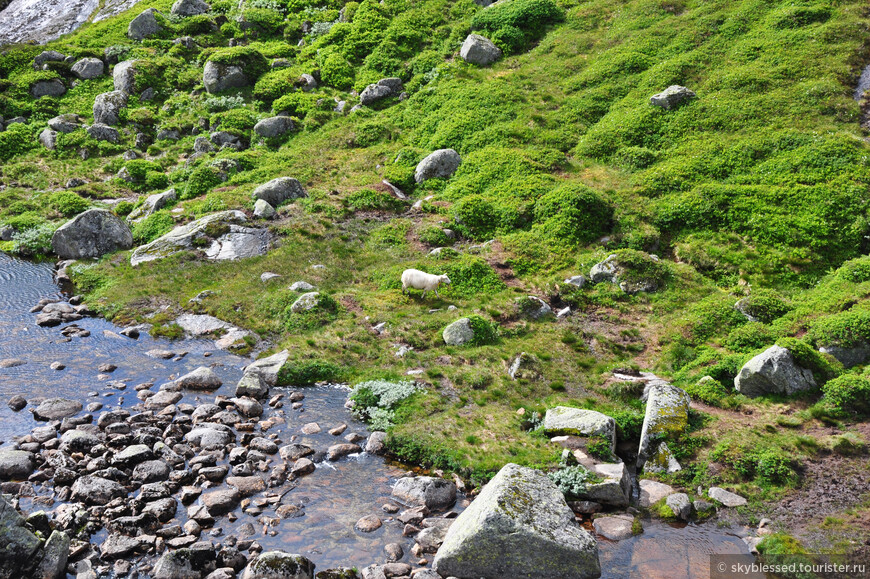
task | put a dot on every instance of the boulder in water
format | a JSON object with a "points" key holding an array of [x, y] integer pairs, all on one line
{"points": [[279, 565], [519, 526]]}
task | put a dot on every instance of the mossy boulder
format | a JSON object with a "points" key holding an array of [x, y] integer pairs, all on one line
{"points": [[666, 418], [519, 526], [91, 234]]}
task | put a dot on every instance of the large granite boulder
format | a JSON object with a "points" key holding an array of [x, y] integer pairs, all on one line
{"points": [[279, 190], [431, 492], [91, 234], [48, 139], [221, 233], [667, 415], [279, 565], [107, 107], [566, 421], [774, 371], [479, 50], [144, 25], [438, 164], [218, 77], [519, 526], [88, 68], [102, 132], [850, 356]]}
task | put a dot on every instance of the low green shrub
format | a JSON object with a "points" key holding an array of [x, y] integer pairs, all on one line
{"points": [[34, 241], [371, 200], [152, 227], [573, 481], [765, 305], [749, 337], [515, 24], [848, 395], [68, 203], [304, 373], [201, 181], [847, 329], [573, 214]]}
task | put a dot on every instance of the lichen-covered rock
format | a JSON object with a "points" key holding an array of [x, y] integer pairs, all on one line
{"points": [[203, 378], [274, 127], [667, 415], [774, 371], [432, 492], [191, 236], [566, 421], [107, 107], [279, 190], [671, 97], [144, 25], [54, 557], [88, 68], [727, 498], [91, 234], [458, 333], [176, 564], [48, 139], [533, 307], [438, 164], [519, 526], [680, 505], [95, 490], [252, 385], [65, 123], [479, 50], [279, 565], [306, 302], [652, 492], [152, 204], [615, 528], [615, 488]]}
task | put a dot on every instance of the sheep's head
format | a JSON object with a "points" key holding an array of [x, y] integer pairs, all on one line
{"points": [[443, 279]]}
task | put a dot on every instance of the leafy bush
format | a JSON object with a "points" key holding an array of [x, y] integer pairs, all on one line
{"points": [[749, 337], [152, 227], [515, 24], [215, 104], [485, 332], [296, 104], [470, 276], [765, 305], [324, 311], [370, 200], [201, 180], [236, 121], [68, 203], [573, 213], [33, 241], [434, 236], [848, 395], [856, 270], [847, 329], [476, 216], [15, 140]]}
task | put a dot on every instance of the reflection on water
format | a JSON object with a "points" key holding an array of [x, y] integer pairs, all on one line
{"points": [[665, 551]]}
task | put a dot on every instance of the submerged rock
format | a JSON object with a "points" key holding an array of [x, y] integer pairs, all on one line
{"points": [[519, 526], [279, 565]]}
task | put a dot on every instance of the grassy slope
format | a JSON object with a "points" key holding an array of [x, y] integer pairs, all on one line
{"points": [[758, 183]]}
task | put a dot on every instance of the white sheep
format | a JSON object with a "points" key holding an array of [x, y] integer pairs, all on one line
{"points": [[414, 278]]}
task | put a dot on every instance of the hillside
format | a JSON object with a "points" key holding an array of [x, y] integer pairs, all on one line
{"points": [[754, 190]]}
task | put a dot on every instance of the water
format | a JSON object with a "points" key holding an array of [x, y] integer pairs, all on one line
{"points": [[863, 84], [44, 20], [333, 498]]}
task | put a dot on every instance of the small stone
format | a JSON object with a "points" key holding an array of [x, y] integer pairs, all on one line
{"points": [[368, 524]]}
